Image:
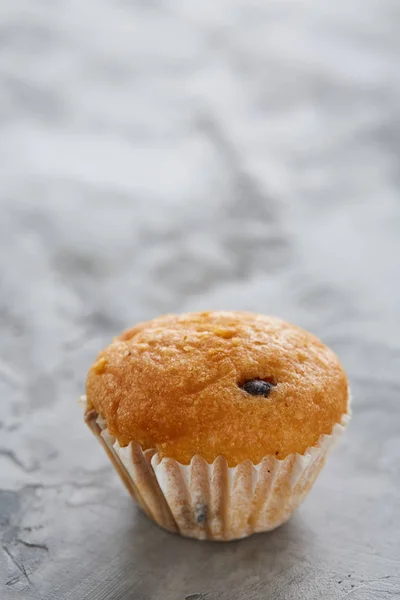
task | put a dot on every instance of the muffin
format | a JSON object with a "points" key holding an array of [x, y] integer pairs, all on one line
{"points": [[218, 423]]}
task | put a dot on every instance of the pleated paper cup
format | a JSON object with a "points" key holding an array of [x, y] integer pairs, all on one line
{"points": [[214, 501]]}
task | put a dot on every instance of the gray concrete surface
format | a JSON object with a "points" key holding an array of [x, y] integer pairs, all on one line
{"points": [[172, 155]]}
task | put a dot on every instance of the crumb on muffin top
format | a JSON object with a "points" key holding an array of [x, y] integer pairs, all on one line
{"points": [[237, 384]]}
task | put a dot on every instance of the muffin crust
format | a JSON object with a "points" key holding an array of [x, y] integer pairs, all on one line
{"points": [[173, 384]]}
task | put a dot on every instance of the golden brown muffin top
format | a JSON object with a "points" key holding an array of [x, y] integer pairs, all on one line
{"points": [[173, 384]]}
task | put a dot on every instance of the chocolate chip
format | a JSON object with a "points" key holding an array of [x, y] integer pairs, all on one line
{"points": [[201, 511], [257, 387]]}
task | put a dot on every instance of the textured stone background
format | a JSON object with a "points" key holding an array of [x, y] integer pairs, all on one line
{"points": [[175, 155]]}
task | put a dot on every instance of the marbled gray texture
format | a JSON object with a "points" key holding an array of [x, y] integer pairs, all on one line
{"points": [[173, 155]]}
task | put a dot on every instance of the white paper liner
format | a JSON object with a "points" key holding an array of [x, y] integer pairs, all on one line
{"points": [[214, 501]]}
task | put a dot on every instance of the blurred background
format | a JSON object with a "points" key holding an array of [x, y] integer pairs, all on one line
{"points": [[166, 156]]}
